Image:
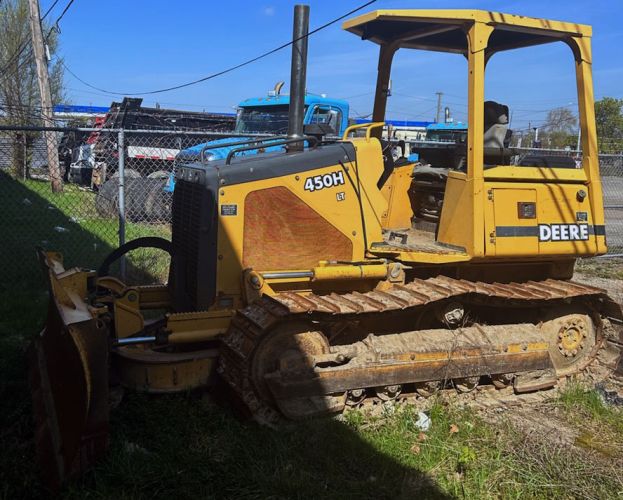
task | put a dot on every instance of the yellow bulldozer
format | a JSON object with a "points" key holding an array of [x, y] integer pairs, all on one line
{"points": [[304, 282]]}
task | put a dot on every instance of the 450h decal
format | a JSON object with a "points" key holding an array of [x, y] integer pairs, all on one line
{"points": [[318, 182]]}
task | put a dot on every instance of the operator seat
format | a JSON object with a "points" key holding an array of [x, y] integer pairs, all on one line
{"points": [[496, 124], [427, 189]]}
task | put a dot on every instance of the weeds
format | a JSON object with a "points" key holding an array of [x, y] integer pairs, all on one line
{"points": [[601, 268], [186, 447]]}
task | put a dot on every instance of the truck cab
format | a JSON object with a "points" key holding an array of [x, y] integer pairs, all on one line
{"points": [[446, 132], [269, 115]]}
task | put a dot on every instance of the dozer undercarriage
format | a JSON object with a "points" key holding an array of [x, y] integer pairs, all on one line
{"points": [[307, 355], [298, 278], [300, 354]]}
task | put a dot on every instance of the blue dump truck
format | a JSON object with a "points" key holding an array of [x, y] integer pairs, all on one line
{"points": [[447, 132], [268, 115], [442, 132], [149, 199]]}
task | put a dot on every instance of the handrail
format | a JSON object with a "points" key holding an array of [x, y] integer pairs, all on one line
{"points": [[369, 126], [233, 152], [238, 143]]}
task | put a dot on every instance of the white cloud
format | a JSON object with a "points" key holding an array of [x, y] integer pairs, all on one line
{"points": [[269, 11]]}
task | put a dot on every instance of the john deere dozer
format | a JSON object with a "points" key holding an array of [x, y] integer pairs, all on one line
{"points": [[303, 280]]}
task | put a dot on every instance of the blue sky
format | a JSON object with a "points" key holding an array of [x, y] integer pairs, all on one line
{"points": [[140, 45]]}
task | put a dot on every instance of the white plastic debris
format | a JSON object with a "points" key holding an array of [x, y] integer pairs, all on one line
{"points": [[423, 421], [26, 202], [61, 229]]}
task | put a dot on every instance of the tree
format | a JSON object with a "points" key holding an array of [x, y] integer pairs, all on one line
{"points": [[19, 93], [609, 121], [560, 128]]}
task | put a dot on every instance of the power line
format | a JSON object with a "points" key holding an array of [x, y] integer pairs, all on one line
{"points": [[26, 43], [23, 45], [50, 9], [58, 19], [15, 57], [223, 72]]}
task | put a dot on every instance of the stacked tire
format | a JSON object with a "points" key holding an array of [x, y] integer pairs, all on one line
{"points": [[107, 199], [145, 200]]}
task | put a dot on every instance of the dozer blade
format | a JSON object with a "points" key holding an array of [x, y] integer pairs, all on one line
{"points": [[69, 378]]}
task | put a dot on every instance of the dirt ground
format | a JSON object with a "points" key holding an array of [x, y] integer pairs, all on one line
{"points": [[573, 426], [614, 287]]}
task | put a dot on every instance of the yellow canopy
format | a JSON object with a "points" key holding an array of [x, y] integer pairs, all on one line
{"points": [[442, 30]]}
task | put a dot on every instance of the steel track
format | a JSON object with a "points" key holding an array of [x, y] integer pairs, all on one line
{"points": [[253, 324]]}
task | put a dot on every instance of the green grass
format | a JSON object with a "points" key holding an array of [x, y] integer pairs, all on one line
{"points": [[186, 446], [68, 223], [484, 459]]}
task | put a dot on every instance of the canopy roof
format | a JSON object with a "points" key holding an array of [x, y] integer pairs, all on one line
{"points": [[441, 30]]}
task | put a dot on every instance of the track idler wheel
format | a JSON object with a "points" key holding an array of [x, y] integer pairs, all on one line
{"points": [[286, 351]]}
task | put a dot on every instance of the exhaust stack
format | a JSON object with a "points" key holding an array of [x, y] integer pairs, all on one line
{"points": [[298, 74]]}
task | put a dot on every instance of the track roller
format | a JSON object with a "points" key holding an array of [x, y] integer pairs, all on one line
{"points": [[427, 389], [465, 384], [355, 397], [388, 392], [503, 380]]}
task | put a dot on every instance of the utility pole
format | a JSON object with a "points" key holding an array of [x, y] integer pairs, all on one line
{"points": [[579, 143], [39, 51], [439, 94], [536, 135]]}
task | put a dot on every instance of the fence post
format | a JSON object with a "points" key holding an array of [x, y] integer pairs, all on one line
{"points": [[121, 174], [25, 156]]}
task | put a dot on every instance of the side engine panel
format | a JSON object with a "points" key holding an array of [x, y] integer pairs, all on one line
{"points": [[274, 213]]}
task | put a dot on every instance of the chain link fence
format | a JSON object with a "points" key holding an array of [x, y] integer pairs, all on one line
{"points": [[86, 221], [83, 221], [34, 216]]}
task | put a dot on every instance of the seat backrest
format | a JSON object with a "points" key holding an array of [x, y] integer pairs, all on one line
{"points": [[496, 124]]}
